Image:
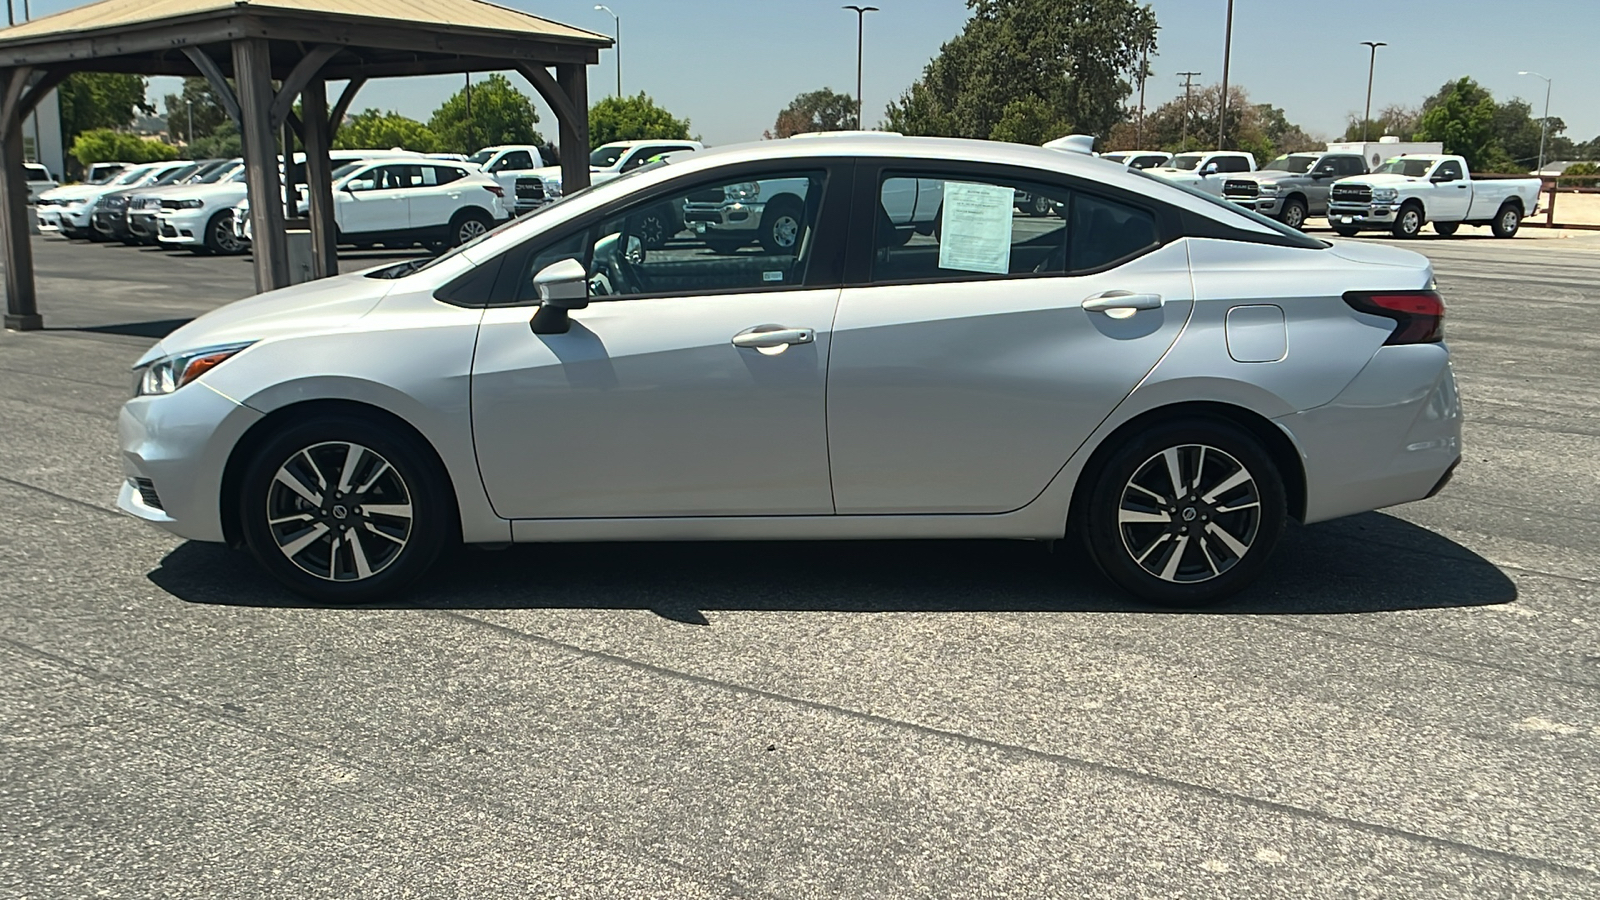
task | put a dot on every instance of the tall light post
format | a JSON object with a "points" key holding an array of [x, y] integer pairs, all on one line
{"points": [[861, 26], [1227, 57], [616, 22], [1372, 64], [1544, 126]]}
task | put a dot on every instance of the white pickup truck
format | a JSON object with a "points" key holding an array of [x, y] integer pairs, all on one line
{"points": [[1408, 191], [1205, 170]]}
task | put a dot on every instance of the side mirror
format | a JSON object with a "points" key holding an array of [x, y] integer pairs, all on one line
{"points": [[1324, 172], [1442, 177], [1211, 169], [562, 286]]}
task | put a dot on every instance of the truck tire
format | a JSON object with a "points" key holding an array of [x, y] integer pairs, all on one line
{"points": [[1445, 229], [1408, 224], [1508, 221], [1346, 231], [1294, 213], [1040, 206], [782, 224]]}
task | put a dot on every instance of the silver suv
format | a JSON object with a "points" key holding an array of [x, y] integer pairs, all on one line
{"points": [[1292, 187]]}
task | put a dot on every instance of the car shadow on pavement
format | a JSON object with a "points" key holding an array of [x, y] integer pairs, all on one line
{"points": [[1367, 563], [155, 329]]}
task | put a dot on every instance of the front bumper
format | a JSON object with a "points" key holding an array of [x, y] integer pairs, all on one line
{"points": [[723, 218], [1362, 215], [1267, 206], [179, 445], [64, 219], [1390, 437], [142, 225], [111, 222], [182, 226]]}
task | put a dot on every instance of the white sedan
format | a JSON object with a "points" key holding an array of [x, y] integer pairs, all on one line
{"points": [[1158, 375]]}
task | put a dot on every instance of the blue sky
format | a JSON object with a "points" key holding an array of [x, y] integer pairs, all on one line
{"points": [[730, 65]]}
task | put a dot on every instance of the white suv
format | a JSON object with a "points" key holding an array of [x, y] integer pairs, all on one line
{"points": [[437, 203]]}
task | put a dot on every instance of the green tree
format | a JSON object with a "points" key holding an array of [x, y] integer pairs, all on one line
{"points": [[223, 142], [500, 114], [1028, 120], [824, 110], [375, 130], [199, 100], [105, 145], [1462, 116], [91, 100], [636, 118], [1072, 57]]}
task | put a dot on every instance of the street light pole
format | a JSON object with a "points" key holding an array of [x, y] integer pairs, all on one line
{"points": [[1544, 126], [1227, 57], [616, 22], [1372, 64], [861, 25]]}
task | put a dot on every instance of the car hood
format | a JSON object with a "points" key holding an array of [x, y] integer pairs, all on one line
{"points": [[206, 191], [1385, 180], [1172, 174], [549, 173], [74, 191], [1262, 176], [329, 304]]}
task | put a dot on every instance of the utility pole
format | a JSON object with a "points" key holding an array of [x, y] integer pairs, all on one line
{"points": [[1144, 74], [616, 22], [1188, 91], [1227, 57], [1544, 126], [1366, 118], [472, 130], [861, 24]]}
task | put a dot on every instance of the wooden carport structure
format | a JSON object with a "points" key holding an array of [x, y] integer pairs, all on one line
{"points": [[260, 56]]}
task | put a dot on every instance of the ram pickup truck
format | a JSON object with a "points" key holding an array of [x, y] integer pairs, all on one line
{"points": [[532, 188], [1408, 191], [1205, 170], [1292, 187]]}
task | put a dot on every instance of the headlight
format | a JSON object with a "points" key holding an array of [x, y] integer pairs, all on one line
{"points": [[1385, 195], [739, 192], [191, 204], [169, 373], [1269, 188]]}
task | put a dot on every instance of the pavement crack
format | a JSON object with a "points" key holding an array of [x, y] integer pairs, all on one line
{"points": [[1162, 781], [84, 504]]}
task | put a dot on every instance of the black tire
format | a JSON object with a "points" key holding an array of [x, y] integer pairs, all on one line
{"points": [[654, 228], [219, 237], [1040, 206], [1408, 223], [1343, 231], [782, 224], [468, 225], [413, 480], [1445, 229], [1507, 222], [724, 246], [1208, 567], [1294, 213]]}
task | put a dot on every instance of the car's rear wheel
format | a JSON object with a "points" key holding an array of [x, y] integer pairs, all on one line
{"points": [[469, 225], [1410, 221], [1507, 222], [1294, 213], [1445, 229], [781, 224], [345, 509], [1040, 206], [1185, 513], [652, 228], [219, 236]]}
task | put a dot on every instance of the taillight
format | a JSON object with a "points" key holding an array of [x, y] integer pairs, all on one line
{"points": [[1418, 315], [496, 190]]}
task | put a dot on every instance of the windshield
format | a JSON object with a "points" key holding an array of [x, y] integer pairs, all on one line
{"points": [[481, 157], [1187, 161], [607, 156], [220, 173], [1297, 165], [129, 176], [1400, 165], [177, 174]]}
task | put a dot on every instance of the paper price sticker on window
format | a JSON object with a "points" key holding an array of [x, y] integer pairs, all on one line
{"points": [[975, 228]]}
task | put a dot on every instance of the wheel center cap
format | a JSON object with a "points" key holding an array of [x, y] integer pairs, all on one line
{"points": [[1189, 514], [339, 512]]}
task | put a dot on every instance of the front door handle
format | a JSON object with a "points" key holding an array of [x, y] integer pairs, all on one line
{"points": [[1111, 300], [766, 337]]}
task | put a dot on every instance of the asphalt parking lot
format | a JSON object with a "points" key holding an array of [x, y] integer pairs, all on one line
{"points": [[1408, 705]]}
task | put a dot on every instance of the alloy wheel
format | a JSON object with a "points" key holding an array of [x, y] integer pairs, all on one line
{"points": [[222, 234], [1189, 514], [470, 229], [1295, 216], [339, 511], [786, 231]]}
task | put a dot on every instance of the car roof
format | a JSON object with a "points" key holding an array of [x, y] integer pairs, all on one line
{"points": [[637, 143]]}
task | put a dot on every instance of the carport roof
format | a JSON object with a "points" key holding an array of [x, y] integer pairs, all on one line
{"points": [[101, 30]]}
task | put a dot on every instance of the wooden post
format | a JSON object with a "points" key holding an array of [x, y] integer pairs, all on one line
{"points": [[319, 181], [252, 74], [22, 309], [1550, 211], [574, 81]]}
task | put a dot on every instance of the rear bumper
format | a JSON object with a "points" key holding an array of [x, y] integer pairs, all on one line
{"points": [[1392, 436]]}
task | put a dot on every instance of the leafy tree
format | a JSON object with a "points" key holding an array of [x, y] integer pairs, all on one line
{"points": [[1400, 121], [500, 114], [375, 130], [223, 142], [91, 100], [1462, 116], [1582, 174], [1258, 128], [1072, 57], [1029, 120], [824, 110], [197, 98], [633, 119], [105, 145]]}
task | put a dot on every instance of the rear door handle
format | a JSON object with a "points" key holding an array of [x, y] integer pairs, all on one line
{"points": [[765, 337], [1121, 300]]}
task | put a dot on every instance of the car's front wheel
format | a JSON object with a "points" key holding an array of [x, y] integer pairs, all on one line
{"points": [[1410, 221], [345, 509], [1294, 214], [1185, 513], [219, 237], [469, 226], [781, 224]]}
